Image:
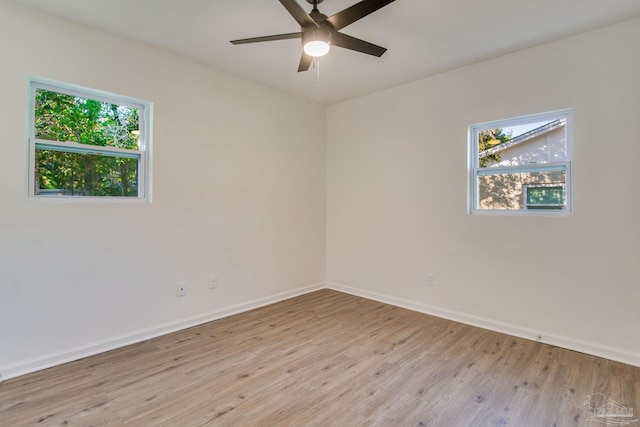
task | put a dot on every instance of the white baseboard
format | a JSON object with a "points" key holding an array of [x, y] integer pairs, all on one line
{"points": [[36, 364], [617, 354]]}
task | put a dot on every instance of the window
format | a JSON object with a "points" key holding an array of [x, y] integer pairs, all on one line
{"points": [[547, 196], [87, 144], [521, 165]]}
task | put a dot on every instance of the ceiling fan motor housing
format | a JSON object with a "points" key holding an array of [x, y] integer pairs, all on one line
{"points": [[316, 34]]}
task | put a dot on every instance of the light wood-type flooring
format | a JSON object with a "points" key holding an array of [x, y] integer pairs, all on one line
{"points": [[323, 359]]}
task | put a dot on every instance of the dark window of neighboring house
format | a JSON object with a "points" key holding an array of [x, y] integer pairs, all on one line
{"points": [[544, 197], [521, 165]]}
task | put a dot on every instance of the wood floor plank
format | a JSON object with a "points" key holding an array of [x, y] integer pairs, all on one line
{"points": [[322, 359]]}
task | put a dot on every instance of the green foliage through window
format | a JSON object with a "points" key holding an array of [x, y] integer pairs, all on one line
{"points": [[78, 174], [488, 139], [108, 166]]}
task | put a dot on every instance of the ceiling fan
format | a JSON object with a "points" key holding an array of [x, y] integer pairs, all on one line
{"points": [[318, 32]]}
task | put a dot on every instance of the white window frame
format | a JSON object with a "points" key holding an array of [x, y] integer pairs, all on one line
{"points": [[474, 170], [143, 154]]}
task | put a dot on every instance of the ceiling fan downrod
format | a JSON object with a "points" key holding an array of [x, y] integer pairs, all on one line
{"points": [[315, 4]]}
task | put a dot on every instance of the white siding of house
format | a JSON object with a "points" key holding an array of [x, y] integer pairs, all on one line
{"points": [[546, 148]]}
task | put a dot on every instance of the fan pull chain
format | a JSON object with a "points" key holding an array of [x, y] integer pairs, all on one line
{"points": [[315, 63]]}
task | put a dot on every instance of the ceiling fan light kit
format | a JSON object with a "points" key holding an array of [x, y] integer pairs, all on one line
{"points": [[319, 32], [316, 42]]}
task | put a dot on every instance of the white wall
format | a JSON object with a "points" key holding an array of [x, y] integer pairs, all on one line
{"points": [[236, 191], [248, 201], [397, 183]]}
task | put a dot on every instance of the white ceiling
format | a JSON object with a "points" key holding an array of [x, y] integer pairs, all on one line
{"points": [[424, 37]]}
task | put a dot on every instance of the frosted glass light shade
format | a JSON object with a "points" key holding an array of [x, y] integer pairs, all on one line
{"points": [[316, 48], [316, 42]]}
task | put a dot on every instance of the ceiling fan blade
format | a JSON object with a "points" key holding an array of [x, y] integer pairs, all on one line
{"points": [[268, 38], [355, 12], [298, 13], [305, 62], [352, 43]]}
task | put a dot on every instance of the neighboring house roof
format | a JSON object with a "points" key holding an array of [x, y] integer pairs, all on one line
{"points": [[533, 133]]}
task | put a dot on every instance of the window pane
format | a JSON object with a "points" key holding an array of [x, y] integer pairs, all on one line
{"points": [[77, 174], [62, 117], [545, 195], [535, 143], [506, 190]]}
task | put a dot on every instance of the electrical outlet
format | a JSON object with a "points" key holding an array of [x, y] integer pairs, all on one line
{"points": [[431, 279], [182, 289], [213, 281]]}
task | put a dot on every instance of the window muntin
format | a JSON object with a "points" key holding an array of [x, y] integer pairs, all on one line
{"points": [[515, 163], [87, 144]]}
